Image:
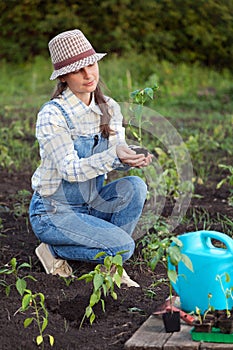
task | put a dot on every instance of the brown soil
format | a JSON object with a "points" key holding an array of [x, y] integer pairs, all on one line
{"points": [[66, 304]]}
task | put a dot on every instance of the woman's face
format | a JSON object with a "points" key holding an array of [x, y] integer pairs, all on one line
{"points": [[83, 82]]}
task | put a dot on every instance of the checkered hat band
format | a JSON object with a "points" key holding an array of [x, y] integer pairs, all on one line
{"points": [[74, 59]]}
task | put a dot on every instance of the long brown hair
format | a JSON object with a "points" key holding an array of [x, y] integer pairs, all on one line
{"points": [[101, 101]]}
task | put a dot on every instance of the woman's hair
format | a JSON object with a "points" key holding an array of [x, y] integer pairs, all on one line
{"points": [[105, 118]]}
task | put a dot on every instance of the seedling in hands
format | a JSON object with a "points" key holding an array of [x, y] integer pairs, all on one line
{"points": [[140, 97]]}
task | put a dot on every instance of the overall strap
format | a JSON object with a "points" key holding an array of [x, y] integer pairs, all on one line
{"points": [[64, 113]]}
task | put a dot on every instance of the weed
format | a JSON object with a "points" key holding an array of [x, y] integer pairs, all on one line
{"points": [[227, 180], [22, 200]]}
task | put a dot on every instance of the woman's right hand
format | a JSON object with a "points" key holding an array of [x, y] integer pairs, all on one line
{"points": [[129, 157]]}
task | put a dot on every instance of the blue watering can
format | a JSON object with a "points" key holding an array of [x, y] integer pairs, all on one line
{"points": [[208, 262]]}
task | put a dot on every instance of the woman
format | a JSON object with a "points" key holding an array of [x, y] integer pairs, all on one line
{"points": [[81, 139]]}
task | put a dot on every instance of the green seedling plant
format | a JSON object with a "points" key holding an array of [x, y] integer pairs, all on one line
{"points": [[226, 291], [139, 98], [12, 268], [201, 318], [68, 280], [160, 183], [168, 251], [36, 303], [227, 180], [104, 278]]}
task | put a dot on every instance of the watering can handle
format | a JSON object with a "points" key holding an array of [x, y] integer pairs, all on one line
{"points": [[206, 237]]}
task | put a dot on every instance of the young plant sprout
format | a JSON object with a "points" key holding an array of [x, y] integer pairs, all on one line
{"points": [[226, 291]]}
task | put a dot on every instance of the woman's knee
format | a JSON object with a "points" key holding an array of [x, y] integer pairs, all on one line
{"points": [[139, 187]]}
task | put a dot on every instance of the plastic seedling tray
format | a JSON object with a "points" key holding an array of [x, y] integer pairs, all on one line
{"points": [[214, 337]]}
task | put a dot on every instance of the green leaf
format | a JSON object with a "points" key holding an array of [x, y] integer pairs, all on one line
{"points": [[99, 255], [220, 183], [149, 92], [103, 305], [117, 260], [21, 285], [174, 255], [120, 270], [108, 262], [134, 93], [51, 340], [186, 260], [105, 289], [114, 295], [39, 339], [87, 276], [108, 282], [31, 278], [42, 297], [24, 265], [88, 311], [26, 301], [92, 318], [98, 281], [8, 289], [172, 275], [117, 279], [93, 299], [153, 263], [27, 322], [44, 324], [177, 241], [4, 270], [13, 263]]}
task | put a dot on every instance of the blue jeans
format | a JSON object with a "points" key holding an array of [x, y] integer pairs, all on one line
{"points": [[79, 230]]}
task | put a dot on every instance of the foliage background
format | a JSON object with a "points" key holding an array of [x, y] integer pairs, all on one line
{"points": [[173, 30]]}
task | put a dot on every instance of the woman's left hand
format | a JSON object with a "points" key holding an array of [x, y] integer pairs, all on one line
{"points": [[147, 161]]}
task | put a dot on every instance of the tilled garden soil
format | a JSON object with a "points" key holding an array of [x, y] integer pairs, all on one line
{"points": [[66, 303]]}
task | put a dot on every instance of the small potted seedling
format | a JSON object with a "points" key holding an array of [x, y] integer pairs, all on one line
{"points": [[168, 251], [205, 322], [225, 320]]}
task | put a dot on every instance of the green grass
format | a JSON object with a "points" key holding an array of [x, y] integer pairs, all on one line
{"points": [[196, 100]]}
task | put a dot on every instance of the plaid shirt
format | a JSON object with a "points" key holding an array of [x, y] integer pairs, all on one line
{"points": [[59, 160]]}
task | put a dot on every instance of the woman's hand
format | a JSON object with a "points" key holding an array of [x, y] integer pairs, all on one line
{"points": [[131, 158]]}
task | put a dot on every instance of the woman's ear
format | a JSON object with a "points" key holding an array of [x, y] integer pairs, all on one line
{"points": [[62, 79]]}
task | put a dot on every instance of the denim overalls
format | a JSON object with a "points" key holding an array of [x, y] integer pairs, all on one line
{"points": [[82, 219]]}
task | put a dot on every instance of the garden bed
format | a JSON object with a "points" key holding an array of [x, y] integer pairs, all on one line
{"points": [[66, 304]]}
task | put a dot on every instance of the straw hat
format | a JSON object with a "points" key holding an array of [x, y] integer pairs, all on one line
{"points": [[71, 51]]}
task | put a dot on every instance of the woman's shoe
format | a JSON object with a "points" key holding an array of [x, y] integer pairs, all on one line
{"points": [[52, 265], [125, 279]]}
